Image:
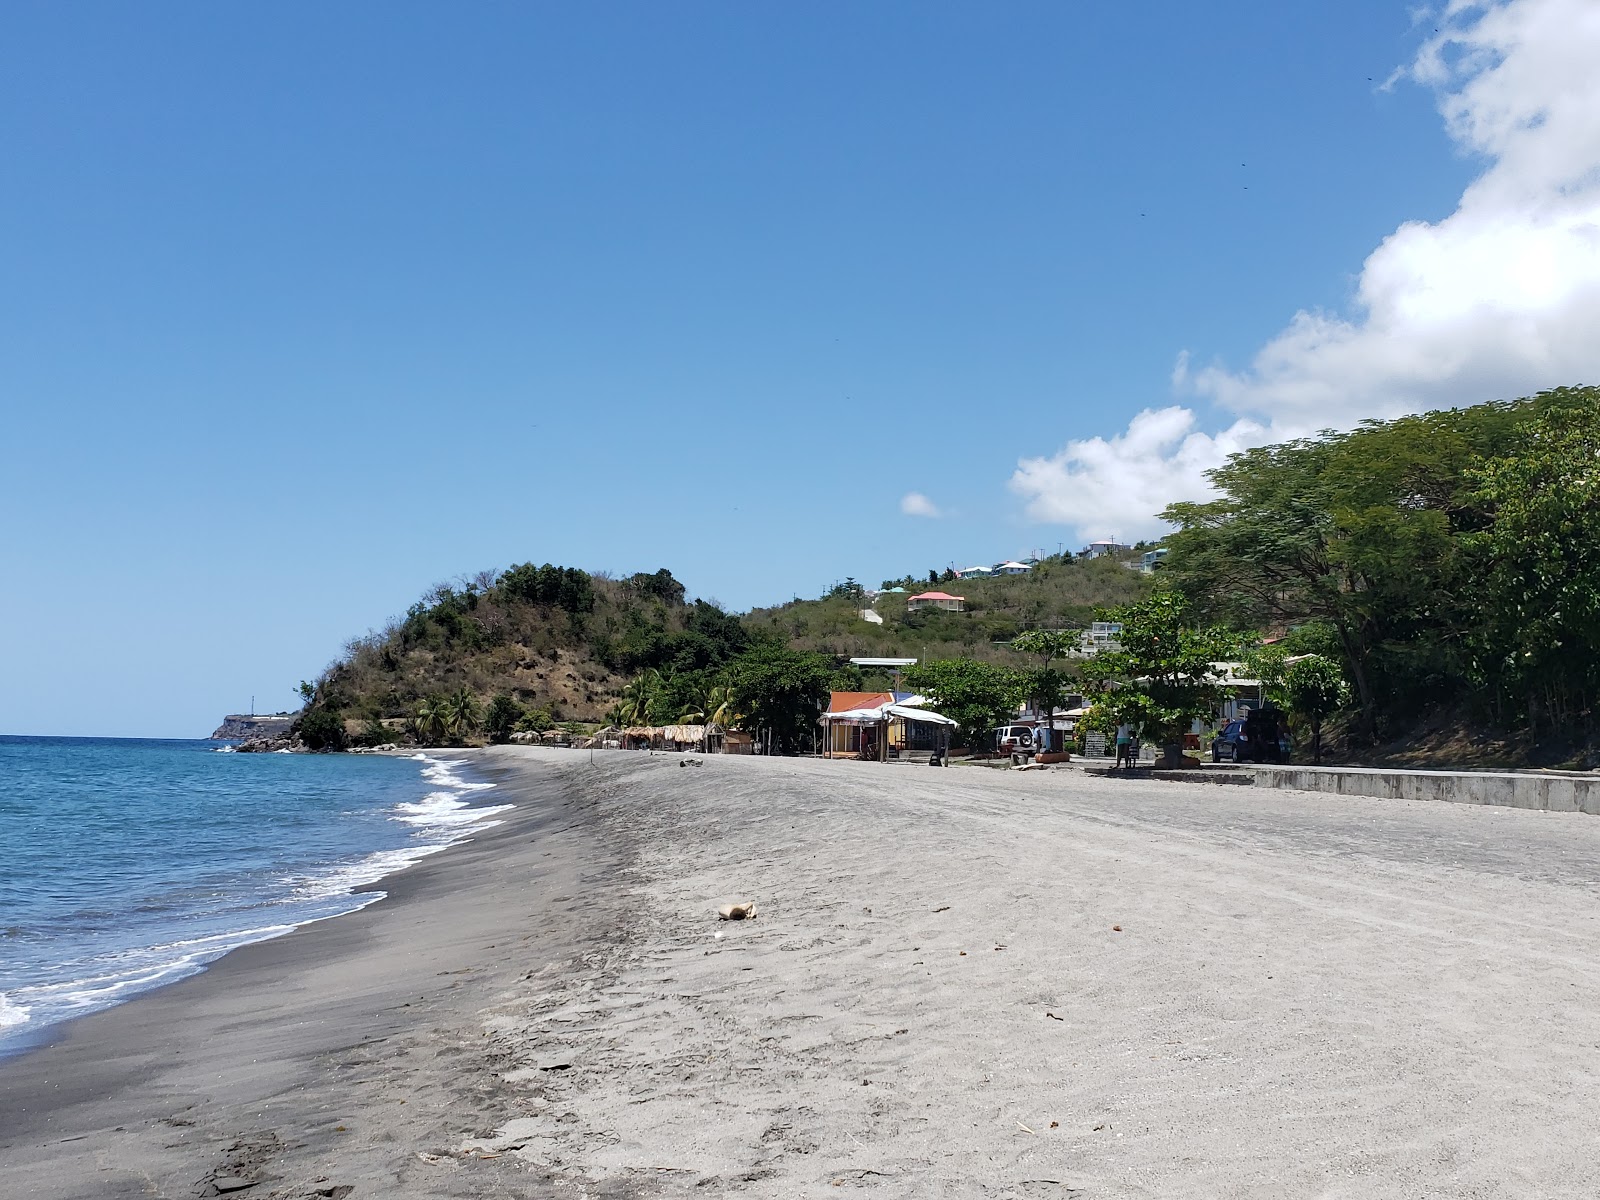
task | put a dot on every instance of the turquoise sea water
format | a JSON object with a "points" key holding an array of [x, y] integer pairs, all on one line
{"points": [[126, 864]]}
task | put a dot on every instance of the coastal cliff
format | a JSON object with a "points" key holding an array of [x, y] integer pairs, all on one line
{"points": [[242, 727]]}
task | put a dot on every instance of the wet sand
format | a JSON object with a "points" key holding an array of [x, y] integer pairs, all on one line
{"points": [[960, 983], [329, 1059]]}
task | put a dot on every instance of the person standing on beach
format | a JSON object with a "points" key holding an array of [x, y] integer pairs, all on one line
{"points": [[1124, 736]]}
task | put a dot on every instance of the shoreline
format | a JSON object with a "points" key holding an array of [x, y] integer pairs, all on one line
{"points": [[958, 983], [172, 1083], [435, 814]]}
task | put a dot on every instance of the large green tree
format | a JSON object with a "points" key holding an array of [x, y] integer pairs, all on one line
{"points": [[500, 721], [1536, 564], [780, 693], [1358, 530], [1164, 675], [979, 696]]}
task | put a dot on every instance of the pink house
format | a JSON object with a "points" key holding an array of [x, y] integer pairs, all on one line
{"points": [[937, 600]]}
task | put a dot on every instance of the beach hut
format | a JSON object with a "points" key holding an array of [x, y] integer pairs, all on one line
{"points": [[880, 725], [683, 737]]}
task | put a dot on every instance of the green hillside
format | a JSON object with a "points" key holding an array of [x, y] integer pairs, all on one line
{"points": [[1059, 593], [555, 644]]}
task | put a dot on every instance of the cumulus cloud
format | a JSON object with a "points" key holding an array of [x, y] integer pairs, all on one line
{"points": [[915, 504], [1501, 298]]}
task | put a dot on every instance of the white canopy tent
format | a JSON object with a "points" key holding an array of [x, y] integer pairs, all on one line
{"points": [[880, 715]]}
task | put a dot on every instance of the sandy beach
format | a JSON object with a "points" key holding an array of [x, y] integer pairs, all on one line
{"points": [[959, 983]]}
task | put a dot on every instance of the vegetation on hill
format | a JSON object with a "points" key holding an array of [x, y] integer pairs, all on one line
{"points": [[533, 646], [1444, 569], [1059, 593]]}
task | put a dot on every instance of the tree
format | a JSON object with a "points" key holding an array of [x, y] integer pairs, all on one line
{"points": [[724, 705], [780, 692], [500, 721], [661, 585], [1163, 676], [564, 587], [461, 713], [1354, 529], [430, 722], [1047, 686], [1537, 637], [979, 696], [638, 703], [307, 691], [1313, 687], [322, 729]]}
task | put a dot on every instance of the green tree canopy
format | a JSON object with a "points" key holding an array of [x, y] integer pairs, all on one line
{"points": [[979, 696], [1313, 687], [500, 719], [1163, 677], [780, 693], [1536, 563], [1362, 531]]}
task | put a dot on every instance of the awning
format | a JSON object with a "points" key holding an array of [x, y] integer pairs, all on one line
{"points": [[879, 713], [918, 714]]}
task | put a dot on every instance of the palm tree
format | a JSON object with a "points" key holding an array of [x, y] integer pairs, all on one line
{"points": [[461, 713], [429, 721], [722, 705], [639, 698]]}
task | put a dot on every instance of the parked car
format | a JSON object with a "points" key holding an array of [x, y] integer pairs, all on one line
{"points": [[1232, 744], [1011, 738], [1225, 747]]}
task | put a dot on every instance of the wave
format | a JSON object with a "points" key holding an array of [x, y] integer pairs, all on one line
{"points": [[142, 967], [11, 1014]]}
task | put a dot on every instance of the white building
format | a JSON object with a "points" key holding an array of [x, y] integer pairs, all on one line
{"points": [[1101, 549]]}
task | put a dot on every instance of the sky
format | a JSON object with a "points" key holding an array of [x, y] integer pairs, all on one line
{"points": [[305, 308]]}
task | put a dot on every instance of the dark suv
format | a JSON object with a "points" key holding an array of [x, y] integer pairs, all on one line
{"points": [[1232, 744]]}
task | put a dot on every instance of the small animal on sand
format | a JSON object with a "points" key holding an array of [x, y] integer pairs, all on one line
{"points": [[745, 910]]}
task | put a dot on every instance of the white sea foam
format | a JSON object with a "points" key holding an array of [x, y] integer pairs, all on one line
{"points": [[11, 1014], [445, 809], [141, 967], [342, 881]]}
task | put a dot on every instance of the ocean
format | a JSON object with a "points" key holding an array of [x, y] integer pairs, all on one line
{"points": [[129, 863]]}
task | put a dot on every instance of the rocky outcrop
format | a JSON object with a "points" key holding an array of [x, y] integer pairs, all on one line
{"points": [[265, 745], [239, 727]]}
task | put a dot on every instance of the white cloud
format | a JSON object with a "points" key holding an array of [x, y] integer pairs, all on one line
{"points": [[915, 504], [1499, 299], [1090, 484]]}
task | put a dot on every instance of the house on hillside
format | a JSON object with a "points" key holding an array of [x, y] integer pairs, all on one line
{"points": [[1013, 568], [1151, 559], [937, 600], [1101, 549], [979, 572]]}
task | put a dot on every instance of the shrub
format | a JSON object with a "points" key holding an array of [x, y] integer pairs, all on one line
{"points": [[322, 729]]}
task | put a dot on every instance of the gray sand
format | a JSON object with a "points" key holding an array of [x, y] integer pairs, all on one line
{"points": [[1307, 996]]}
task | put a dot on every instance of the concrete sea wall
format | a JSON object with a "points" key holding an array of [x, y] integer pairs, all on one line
{"points": [[1508, 789]]}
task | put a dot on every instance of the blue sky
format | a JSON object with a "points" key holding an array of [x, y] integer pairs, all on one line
{"points": [[307, 307]]}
